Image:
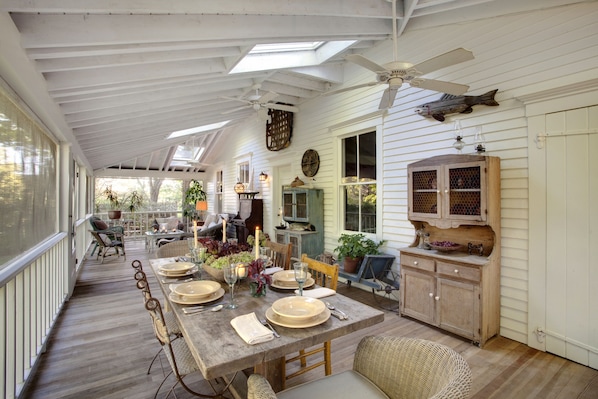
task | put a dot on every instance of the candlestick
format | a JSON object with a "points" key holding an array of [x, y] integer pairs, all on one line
{"points": [[257, 243], [223, 230], [195, 233]]}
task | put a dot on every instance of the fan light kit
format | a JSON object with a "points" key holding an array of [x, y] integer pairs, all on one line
{"points": [[260, 103], [397, 72]]}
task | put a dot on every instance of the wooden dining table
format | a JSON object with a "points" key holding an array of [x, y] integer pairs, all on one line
{"points": [[220, 352]]}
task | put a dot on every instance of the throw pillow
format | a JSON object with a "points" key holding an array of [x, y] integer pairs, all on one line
{"points": [[100, 224]]}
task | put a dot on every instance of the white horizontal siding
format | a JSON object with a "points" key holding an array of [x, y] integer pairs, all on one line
{"points": [[519, 51]]}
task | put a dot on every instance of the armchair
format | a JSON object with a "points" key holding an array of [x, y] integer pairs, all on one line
{"points": [[114, 233]]}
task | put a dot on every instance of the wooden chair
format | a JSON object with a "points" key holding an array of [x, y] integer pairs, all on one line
{"points": [[105, 242], [325, 275], [281, 254], [173, 249]]}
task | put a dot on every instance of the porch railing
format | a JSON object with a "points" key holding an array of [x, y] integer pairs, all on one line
{"points": [[33, 290], [137, 223]]}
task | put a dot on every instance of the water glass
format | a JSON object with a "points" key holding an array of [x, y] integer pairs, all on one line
{"points": [[300, 275], [230, 276]]}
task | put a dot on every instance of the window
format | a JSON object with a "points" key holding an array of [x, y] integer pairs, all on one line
{"points": [[358, 183], [244, 174]]}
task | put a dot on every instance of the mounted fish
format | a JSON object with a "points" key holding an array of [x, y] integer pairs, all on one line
{"points": [[450, 104]]}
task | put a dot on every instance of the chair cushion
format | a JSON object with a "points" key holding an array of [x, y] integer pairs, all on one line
{"points": [[100, 224], [347, 385]]}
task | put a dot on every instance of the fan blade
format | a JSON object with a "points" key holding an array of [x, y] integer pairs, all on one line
{"points": [[444, 60], [282, 107], [388, 97], [230, 111], [439, 85], [236, 99], [364, 62], [266, 98], [329, 93]]}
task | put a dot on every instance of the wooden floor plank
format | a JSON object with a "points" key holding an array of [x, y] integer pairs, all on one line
{"points": [[103, 343]]}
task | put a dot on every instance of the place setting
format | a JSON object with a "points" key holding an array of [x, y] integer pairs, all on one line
{"points": [[198, 292], [177, 270]]}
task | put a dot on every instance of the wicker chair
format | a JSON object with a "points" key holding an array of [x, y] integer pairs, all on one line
{"points": [[385, 367], [173, 249]]}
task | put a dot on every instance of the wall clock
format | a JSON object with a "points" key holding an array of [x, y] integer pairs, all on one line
{"points": [[310, 163]]}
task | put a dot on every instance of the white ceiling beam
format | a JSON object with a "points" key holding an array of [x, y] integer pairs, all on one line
{"points": [[347, 8]]}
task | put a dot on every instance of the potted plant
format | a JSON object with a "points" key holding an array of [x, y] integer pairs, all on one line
{"points": [[112, 197], [133, 201], [353, 248], [193, 195]]}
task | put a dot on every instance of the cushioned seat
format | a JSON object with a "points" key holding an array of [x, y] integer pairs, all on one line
{"points": [[400, 368]]}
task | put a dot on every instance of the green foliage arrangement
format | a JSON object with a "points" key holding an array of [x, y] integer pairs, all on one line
{"points": [[357, 246]]}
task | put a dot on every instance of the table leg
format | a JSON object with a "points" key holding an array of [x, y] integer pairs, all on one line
{"points": [[272, 370]]}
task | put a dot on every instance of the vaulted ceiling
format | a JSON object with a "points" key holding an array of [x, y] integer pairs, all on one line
{"points": [[122, 75]]}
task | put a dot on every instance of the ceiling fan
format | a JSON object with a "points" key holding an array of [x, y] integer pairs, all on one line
{"points": [[397, 72], [260, 103]]}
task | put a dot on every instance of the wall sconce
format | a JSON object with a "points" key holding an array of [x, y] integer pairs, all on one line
{"points": [[459, 143], [263, 176]]}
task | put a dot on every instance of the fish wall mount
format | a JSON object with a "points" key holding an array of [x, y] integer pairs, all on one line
{"points": [[450, 104]]}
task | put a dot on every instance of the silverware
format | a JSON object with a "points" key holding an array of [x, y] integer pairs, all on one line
{"points": [[336, 312], [210, 308], [265, 323]]}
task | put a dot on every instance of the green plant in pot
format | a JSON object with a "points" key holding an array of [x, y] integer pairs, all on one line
{"points": [[112, 197], [193, 195], [133, 201], [353, 248]]}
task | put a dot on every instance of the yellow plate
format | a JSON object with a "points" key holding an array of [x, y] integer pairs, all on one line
{"points": [[181, 300], [197, 289], [307, 284], [176, 267], [276, 319], [298, 308], [287, 277]]}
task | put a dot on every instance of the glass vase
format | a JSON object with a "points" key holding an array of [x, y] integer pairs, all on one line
{"points": [[256, 290]]}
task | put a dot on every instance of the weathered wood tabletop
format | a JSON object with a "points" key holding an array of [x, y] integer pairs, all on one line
{"points": [[220, 351]]}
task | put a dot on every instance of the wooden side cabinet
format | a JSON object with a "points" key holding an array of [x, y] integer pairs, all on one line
{"points": [[454, 198], [303, 242]]}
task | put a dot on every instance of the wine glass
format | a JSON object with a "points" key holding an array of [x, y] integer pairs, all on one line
{"points": [[265, 255], [230, 276], [300, 275]]}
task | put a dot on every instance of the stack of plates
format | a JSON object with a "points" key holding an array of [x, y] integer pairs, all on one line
{"points": [[176, 269], [196, 292], [298, 312], [285, 280]]}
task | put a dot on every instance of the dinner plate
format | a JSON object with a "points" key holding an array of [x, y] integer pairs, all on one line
{"points": [[298, 308], [186, 273], [278, 320], [182, 300], [176, 268], [307, 284], [287, 277], [197, 289]]}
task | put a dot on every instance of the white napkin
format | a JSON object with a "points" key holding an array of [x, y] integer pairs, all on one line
{"points": [[272, 270], [251, 330], [320, 292]]}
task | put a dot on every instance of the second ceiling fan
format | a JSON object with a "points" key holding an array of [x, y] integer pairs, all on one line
{"points": [[260, 103], [397, 72]]}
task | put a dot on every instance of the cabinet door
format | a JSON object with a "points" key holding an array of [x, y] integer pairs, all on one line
{"points": [[464, 192], [301, 204], [458, 307], [295, 240], [424, 193], [417, 295], [288, 200], [280, 238]]}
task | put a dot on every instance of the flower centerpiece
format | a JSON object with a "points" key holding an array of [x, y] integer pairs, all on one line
{"points": [[258, 281], [220, 253]]}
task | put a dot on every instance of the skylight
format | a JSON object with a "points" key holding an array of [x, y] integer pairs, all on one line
{"points": [[198, 129], [289, 55]]}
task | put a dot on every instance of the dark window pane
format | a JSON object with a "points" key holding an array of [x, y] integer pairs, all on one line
{"points": [[350, 157], [367, 156]]}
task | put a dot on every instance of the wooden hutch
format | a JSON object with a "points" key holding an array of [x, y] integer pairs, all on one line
{"points": [[454, 198], [303, 209]]}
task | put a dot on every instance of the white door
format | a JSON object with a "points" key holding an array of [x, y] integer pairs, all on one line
{"points": [[570, 241]]}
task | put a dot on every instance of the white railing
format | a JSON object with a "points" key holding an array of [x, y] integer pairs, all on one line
{"points": [[33, 289], [137, 223]]}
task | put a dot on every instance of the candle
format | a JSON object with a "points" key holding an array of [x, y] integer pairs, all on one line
{"points": [[195, 232], [257, 243], [241, 270], [223, 230]]}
